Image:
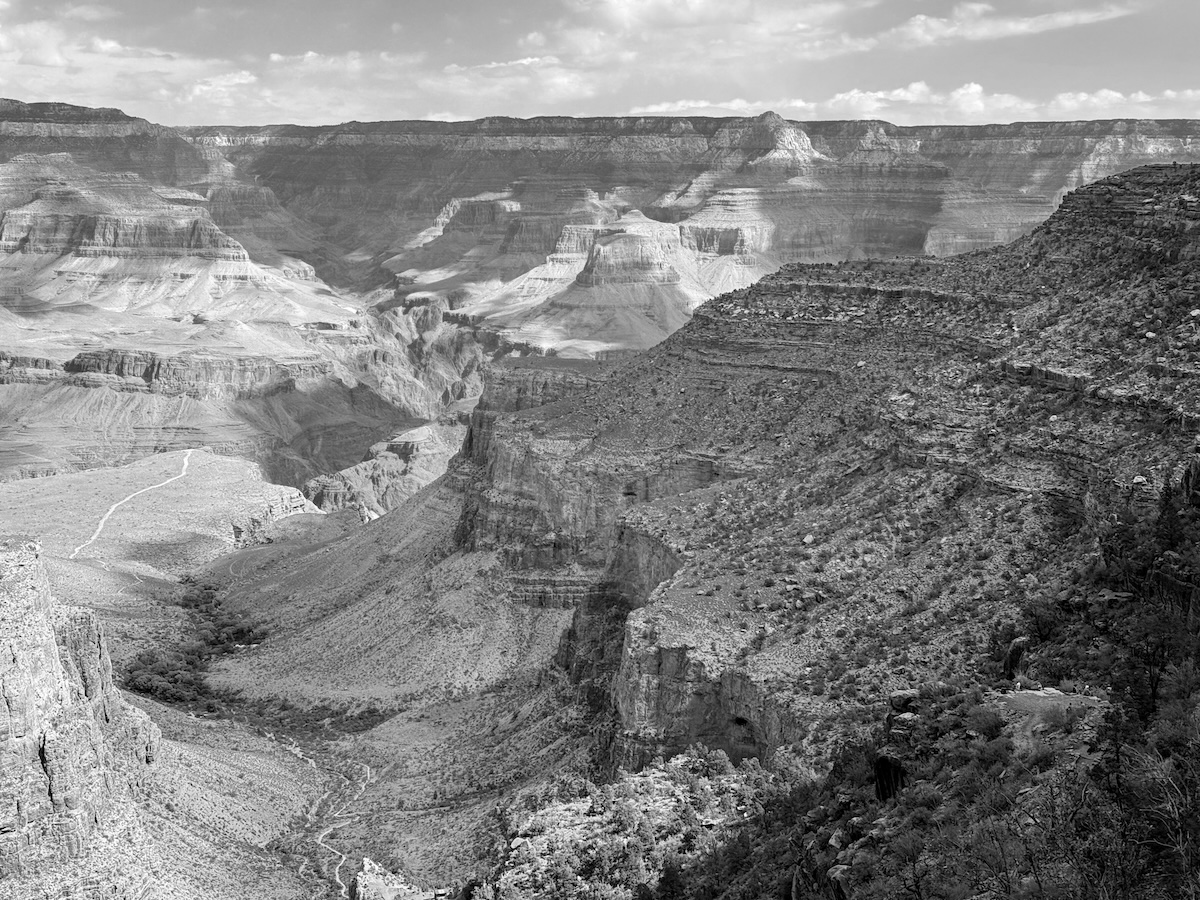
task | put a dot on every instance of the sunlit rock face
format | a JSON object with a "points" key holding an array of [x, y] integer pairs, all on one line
{"points": [[502, 217], [72, 235], [73, 754], [152, 298], [104, 139]]}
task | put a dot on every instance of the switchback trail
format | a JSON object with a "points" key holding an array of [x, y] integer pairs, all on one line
{"points": [[341, 817], [187, 455]]}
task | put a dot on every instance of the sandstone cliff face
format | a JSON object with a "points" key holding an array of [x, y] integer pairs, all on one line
{"points": [[114, 241], [73, 752], [105, 139], [392, 471]]}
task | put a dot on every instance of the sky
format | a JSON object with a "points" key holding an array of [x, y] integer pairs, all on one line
{"points": [[316, 62]]}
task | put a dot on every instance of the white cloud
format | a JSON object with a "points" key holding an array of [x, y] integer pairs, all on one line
{"points": [[918, 103], [641, 15], [218, 90], [89, 12], [735, 107], [594, 57], [970, 103], [38, 43], [977, 22], [527, 61], [1107, 103], [104, 45]]}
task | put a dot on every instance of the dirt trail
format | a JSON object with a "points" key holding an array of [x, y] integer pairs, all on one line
{"points": [[187, 455], [339, 816]]}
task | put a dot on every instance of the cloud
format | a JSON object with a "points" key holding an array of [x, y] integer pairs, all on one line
{"points": [[89, 12], [37, 43], [918, 104], [735, 107], [805, 59], [487, 85], [219, 90], [643, 15], [1107, 103], [526, 61], [976, 22]]}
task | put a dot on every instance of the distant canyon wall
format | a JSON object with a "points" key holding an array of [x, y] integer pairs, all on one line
{"points": [[595, 236], [806, 191]]}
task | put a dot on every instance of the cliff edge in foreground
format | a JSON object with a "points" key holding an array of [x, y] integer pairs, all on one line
{"points": [[73, 753]]}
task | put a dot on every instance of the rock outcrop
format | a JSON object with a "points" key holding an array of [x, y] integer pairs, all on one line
{"points": [[73, 752], [102, 139], [391, 472], [374, 882]]}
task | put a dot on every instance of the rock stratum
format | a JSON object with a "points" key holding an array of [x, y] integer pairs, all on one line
{"points": [[74, 753], [593, 235], [152, 298], [359, 274]]}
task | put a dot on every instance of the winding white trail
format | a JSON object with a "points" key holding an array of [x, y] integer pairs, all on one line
{"points": [[187, 455], [339, 814], [344, 818]]}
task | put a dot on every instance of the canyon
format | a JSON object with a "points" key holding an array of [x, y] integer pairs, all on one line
{"points": [[534, 453], [823, 492], [295, 295]]}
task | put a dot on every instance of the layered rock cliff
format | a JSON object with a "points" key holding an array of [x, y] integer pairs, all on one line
{"points": [[103, 139], [298, 403], [500, 215], [74, 753], [152, 297], [769, 490]]}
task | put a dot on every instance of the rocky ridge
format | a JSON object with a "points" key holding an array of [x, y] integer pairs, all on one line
{"points": [[75, 754], [899, 455]]}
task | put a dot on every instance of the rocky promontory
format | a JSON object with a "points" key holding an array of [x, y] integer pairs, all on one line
{"points": [[74, 754]]}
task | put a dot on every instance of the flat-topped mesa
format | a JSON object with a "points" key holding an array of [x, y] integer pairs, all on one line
{"points": [[627, 258], [71, 750], [199, 375], [50, 204], [970, 185], [104, 139], [202, 376]]}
